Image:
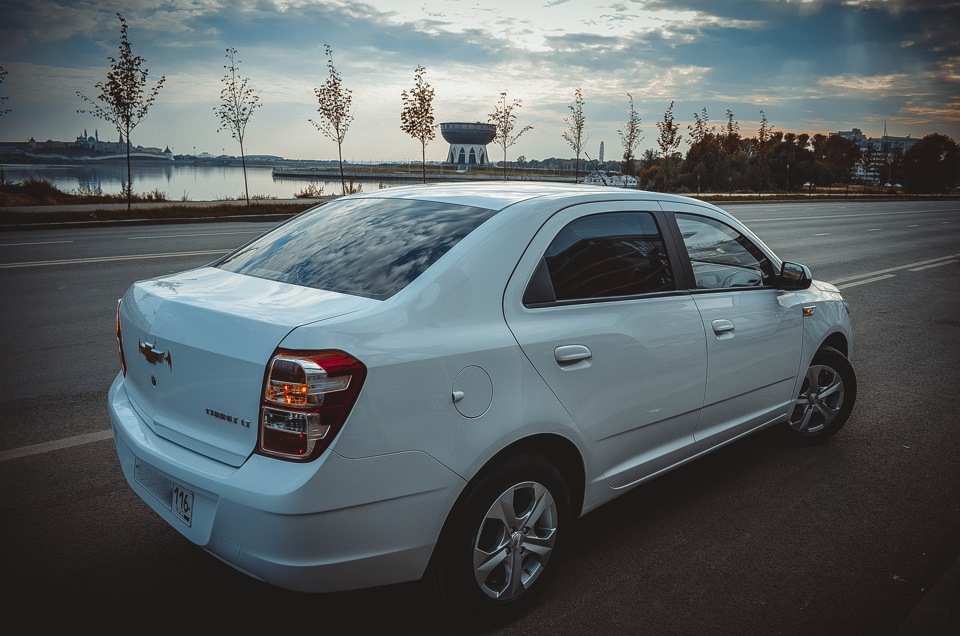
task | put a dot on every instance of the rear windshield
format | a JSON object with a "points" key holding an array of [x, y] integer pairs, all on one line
{"points": [[363, 247]]}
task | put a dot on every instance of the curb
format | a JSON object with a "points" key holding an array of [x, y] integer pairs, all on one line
{"points": [[252, 218]]}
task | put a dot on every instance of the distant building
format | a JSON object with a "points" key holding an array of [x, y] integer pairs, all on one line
{"points": [[84, 147], [885, 149], [468, 142], [94, 145]]}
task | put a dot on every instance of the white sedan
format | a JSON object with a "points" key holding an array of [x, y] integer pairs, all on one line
{"points": [[435, 382]]}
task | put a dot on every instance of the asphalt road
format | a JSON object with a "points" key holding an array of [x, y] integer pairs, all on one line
{"points": [[847, 538]]}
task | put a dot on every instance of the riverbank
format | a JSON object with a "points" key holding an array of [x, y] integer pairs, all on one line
{"points": [[410, 175]]}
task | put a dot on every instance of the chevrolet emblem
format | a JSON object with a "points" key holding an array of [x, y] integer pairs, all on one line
{"points": [[153, 355]]}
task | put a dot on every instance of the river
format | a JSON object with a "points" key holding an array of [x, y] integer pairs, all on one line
{"points": [[177, 182]]}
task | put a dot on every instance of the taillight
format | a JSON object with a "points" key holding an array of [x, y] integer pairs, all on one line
{"points": [[123, 360], [307, 396]]}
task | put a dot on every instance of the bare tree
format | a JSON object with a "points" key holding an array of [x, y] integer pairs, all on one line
{"points": [[668, 141], [730, 137], [3, 98], [334, 101], [237, 102], [764, 143], [630, 138], [505, 121], [416, 119], [574, 135], [703, 143], [700, 131], [123, 100]]}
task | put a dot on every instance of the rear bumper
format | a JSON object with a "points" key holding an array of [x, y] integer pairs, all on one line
{"points": [[329, 525]]}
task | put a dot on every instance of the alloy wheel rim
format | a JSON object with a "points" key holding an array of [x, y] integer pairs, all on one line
{"points": [[819, 402], [515, 540]]}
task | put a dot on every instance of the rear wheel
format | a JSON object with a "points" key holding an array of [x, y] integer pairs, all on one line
{"points": [[826, 399], [503, 541]]}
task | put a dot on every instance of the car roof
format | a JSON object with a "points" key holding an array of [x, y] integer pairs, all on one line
{"points": [[501, 194]]}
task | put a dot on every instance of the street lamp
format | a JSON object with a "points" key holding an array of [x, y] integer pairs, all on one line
{"points": [[788, 178]]}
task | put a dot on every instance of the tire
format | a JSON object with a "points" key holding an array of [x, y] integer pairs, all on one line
{"points": [[503, 540], [825, 401]]}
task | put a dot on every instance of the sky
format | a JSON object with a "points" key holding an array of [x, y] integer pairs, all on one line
{"points": [[810, 66]]}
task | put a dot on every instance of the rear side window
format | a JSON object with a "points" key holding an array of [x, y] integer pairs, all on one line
{"points": [[363, 247], [607, 256]]}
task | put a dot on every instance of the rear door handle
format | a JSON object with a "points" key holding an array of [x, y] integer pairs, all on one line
{"points": [[571, 354], [723, 328]]}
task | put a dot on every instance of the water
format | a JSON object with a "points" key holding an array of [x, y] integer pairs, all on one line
{"points": [[177, 182]]}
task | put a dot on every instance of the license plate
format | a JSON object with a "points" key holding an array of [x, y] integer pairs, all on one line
{"points": [[182, 503]]}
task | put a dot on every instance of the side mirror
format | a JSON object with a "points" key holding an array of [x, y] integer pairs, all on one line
{"points": [[794, 276]]}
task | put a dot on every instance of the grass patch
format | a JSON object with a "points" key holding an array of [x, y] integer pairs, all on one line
{"points": [[150, 206], [42, 192]]}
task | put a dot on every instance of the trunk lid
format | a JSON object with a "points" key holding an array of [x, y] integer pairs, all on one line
{"points": [[197, 345]]}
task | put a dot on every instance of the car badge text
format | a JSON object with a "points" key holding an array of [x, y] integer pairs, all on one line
{"points": [[229, 418]]}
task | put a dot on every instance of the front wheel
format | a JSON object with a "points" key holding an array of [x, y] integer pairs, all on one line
{"points": [[503, 540], [826, 399]]}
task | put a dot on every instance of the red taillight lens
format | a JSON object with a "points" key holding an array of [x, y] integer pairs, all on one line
{"points": [[123, 360], [307, 397]]}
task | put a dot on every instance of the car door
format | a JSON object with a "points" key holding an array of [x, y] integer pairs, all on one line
{"points": [[754, 330], [595, 305]]}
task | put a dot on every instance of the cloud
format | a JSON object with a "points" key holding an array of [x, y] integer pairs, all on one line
{"points": [[878, 84], [795, 58], [949, 69]]}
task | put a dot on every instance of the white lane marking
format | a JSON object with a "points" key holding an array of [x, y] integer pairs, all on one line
{"points": [[894, 269], [37, 243], [823, 234], [864, 282], [46, 447], [920, 269], [876, 229], [163, 236], [108, 259], [914, 225], [840, 216], [944, 222]]}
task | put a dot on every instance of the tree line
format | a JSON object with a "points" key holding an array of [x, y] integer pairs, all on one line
{"points": [[722, 159], [718, 158]]}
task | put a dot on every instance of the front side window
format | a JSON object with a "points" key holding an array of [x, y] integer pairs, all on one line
{"points": [[607, 256], [721, 256], [364, 247]]}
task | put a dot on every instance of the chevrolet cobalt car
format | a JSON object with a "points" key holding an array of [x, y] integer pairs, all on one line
{"points": [[434, 382]]}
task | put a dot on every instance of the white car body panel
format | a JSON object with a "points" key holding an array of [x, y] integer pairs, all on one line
{"points": [[637, 398], [216, 331], [265, 517], [752, 368]]}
